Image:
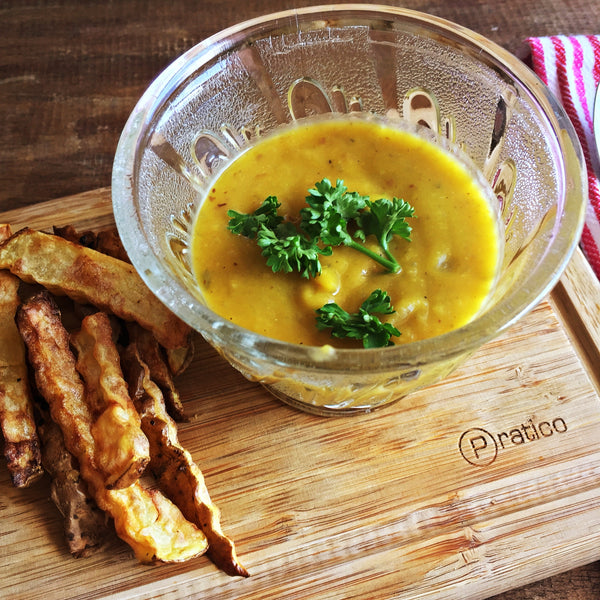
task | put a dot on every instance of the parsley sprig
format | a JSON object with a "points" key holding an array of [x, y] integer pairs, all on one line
{"points": [[333, 217], [264, 216], [363, 325], [332, 210], [286, 248]]}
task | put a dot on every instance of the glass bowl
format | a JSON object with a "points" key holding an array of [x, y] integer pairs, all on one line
{"points": [[215, 99]]}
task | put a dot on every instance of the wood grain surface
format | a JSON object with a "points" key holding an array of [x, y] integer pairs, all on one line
{"points": [[486, 481], [70, 73]]}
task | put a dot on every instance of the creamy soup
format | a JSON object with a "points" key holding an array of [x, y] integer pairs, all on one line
{"points": [[448, 268]]}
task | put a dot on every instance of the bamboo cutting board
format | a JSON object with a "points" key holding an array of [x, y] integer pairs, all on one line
{"points": [[484, 482]]}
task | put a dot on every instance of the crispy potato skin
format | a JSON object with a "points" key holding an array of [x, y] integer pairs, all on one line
{"points": [[85, 525], [95, 445], [160, 373], [56, 378], [84, 238], [23, 462], [179, 476], [122, 448], [89, 276], [151, 524], [21, 441], [108, 242]]}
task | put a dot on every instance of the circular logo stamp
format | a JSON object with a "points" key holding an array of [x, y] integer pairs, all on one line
{"points": [[478, 447]]}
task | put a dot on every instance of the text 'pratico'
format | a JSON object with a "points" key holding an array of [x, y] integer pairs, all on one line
{"points": [[481, 447]]}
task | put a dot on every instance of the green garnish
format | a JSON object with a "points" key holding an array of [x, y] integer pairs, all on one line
{"points": [[287, 250], [332, 209], [384, 219], [363, 325], [333, 217], [249, 225]]}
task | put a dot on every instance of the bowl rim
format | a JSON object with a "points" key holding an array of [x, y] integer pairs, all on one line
{"points": [[481, 329]]}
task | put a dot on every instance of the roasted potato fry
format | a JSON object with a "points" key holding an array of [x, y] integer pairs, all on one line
{"points": [[85, 525], [122, 448], [109, 242], [160, 373], [88, 276], [53, 364], [151, 524], [179, 359], [84, 238], [179, 476], [21, 442], [106, 241]]}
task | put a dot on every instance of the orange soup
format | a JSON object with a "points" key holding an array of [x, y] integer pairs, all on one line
{"points": [[448, 268]]}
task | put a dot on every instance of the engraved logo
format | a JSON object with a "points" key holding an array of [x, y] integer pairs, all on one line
{"points": [[480, 447]]}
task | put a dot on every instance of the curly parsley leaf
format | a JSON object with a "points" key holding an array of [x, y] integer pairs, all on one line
{"points": [[333, 209], [384, 219], [329, 211], [287, 250], [333, 217], [248, 225], [363, 325]]}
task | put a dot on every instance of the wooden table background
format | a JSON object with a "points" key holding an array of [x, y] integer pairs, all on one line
{"points": [[72, 70]]}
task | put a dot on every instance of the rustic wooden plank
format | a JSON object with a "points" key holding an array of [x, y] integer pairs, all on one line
{"points": [[483, 482], [577, 299], [90, 210]]}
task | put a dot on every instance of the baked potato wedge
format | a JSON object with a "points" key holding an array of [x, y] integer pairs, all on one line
{"points": [[21, 441], [149, 522], [122, 448], [91, 277], [179, 476]]}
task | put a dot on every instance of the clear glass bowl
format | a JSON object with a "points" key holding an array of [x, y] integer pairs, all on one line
{"points": [[399, 64]]}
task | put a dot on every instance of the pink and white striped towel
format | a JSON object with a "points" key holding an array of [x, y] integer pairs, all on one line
{"points": [[570, 67]]}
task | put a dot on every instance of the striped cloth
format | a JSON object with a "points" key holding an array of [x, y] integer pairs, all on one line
{"points": [[570, 67]]}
